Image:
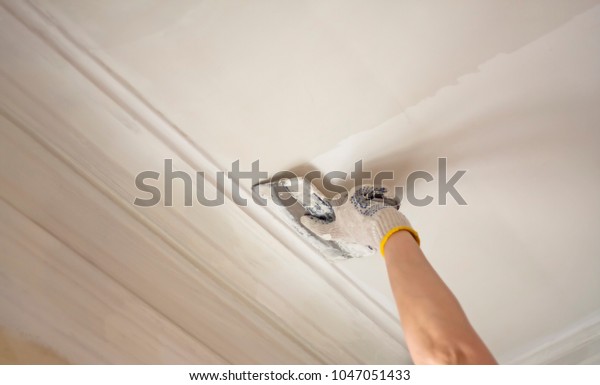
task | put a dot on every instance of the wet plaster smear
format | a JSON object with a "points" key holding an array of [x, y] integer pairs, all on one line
{"points": [[92, 93]]}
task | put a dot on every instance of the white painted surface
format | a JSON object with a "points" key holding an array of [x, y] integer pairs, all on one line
{"points": [[93, 93], [523, 253]]}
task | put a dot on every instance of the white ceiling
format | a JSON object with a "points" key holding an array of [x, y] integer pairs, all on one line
{"points": [[95, 92]]}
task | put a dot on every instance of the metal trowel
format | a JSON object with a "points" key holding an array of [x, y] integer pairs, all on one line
{"points": [[292, 198]]}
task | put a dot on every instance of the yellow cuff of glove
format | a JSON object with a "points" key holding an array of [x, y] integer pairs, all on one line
{"points": [[387, 236]]}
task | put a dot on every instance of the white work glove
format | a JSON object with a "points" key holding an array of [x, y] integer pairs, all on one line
{"points": [[366, 215]]}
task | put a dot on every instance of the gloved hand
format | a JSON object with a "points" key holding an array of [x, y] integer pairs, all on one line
{"points": [[366, 215]]}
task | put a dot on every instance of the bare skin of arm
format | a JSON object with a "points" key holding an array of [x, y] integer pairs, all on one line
{"points": [[436, 328]]}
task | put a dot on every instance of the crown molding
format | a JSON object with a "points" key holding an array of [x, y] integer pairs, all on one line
{"points": [[64, 39], [577, 344]]}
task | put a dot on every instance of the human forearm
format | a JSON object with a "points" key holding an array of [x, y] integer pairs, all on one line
{"points": [[435, 327]]}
